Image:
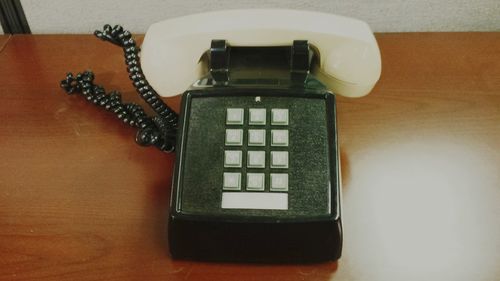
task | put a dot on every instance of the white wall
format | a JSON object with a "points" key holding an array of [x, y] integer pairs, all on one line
{"points": [[1, 29], [77, 16]]}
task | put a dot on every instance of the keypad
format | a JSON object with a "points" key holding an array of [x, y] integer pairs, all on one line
{"points": [[252, 163], [290, 140]]}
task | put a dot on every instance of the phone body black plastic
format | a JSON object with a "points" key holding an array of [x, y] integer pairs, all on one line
{"points": [[309, 231]]}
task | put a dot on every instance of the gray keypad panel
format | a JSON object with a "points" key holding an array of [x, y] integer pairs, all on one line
{"points": [[256, 155], [307, 190]]}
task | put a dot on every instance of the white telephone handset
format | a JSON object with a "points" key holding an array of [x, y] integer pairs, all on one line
{"points": [[349, 58]]}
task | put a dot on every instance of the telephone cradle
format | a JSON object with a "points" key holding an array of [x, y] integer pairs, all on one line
{"points": [[257, 172]]}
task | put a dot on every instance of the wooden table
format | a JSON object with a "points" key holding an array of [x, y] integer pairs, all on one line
{"points": [[3, 41], [79, 200]]}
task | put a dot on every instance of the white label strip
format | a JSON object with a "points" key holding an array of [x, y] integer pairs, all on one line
{"points": [[255, 200]]}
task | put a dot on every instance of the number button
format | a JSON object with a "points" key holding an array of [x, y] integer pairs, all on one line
{"points": [[279, 137], [279, 182], [256, 137], [234, 137], [232, 181], [255, 181], [279, 159], [257, 116], [279, 116], [256, 159], [234, 116], [232, 158]]}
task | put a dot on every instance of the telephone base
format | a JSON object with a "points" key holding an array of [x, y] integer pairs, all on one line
{"points": [[257, 176], [292, 242]]}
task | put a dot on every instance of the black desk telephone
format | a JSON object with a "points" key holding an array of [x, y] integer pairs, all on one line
{"points": [[257, 173]]}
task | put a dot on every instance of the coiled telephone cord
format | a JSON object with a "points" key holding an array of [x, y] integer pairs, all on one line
{"points": [[159, 131]]}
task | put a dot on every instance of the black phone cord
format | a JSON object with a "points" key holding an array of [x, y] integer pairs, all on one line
{"points": [[159, 131], [123, 38], [152, 130]]}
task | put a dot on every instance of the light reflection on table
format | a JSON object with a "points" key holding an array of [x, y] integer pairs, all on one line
{"points": [[418, 213]]}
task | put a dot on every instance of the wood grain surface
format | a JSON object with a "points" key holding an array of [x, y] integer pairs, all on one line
{"points": [[3, 41], [79, 200]]}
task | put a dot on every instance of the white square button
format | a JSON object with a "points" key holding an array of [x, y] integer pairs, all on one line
{"points": [[279, 159], [279, 137], [279, 116], [279, 182], [232, 181], [257, 116], [256, 137], [234, 137], [255, 181], [232, 158], [256, 159], [234, 116]]}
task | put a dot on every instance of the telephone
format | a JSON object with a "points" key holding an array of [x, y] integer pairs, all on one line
{"points": [[257, 172]]}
